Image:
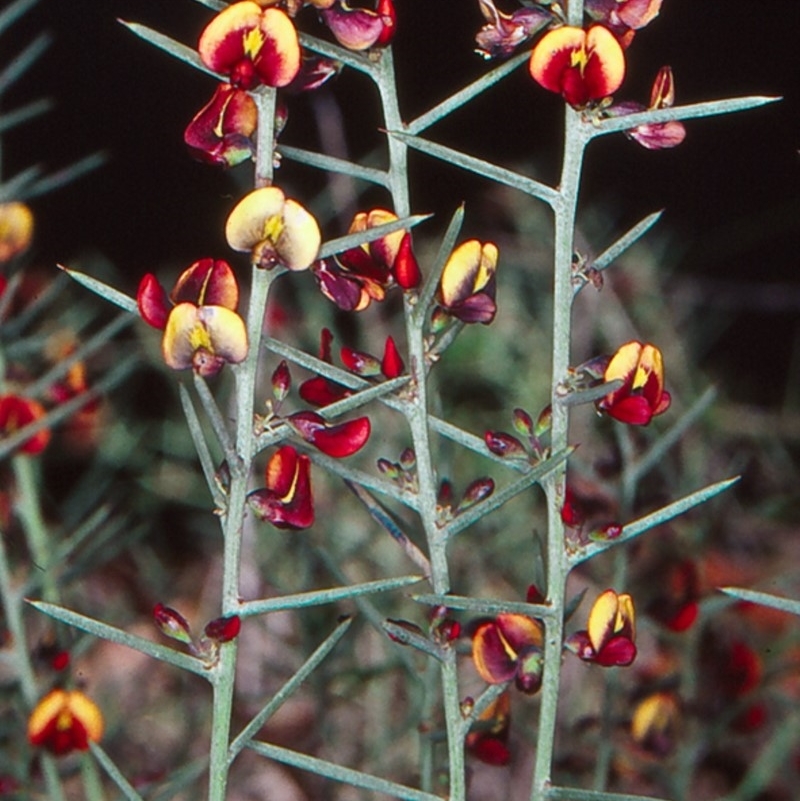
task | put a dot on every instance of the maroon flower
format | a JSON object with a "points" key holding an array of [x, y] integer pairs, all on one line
{"points": [[337, 441], [286, 501]]}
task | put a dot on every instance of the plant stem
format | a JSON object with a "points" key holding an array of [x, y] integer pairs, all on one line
{"points": [[417, 417], [233, 520], [557, 564]]}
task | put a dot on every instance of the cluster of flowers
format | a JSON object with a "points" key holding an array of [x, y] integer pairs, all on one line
{"points": [[585, 65], [256, 44]]}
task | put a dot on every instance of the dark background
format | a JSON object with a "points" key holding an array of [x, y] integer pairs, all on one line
{"points": [[730, 191]]}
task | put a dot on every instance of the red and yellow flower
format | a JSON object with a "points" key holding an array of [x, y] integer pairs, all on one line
{"points": [[65, 721], [642, 395], [581, 65], [274, 229], [221, 132], [251, 45], [655, 721], [17, 412], [16, 229], [609, 638], [467, 287], [488, 740], [509, 647], [337, 441], [360, 275], [202, 330], [286, 501]]}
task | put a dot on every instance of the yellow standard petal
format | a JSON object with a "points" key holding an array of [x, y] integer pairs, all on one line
{"points": [[603, 619], [468, 270], [16, 229]]}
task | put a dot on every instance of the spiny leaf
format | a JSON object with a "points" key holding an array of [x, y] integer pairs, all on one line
{"points": [[643, 524], [105, 632], [333, 164], [765, 599], [116, 297], [169, 45], [692, 111], [499, 175]]}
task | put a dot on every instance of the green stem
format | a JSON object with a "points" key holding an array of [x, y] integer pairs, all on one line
{"points": [[557, 564], [416, 413], [233, 520], [30, 514]]}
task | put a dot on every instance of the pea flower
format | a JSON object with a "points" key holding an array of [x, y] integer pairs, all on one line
{"points": [[611, 630], [16, 229], [220, 133], [655, 135], [642, 395], [65, 721], [202, 330], [320, 391], [361, 28], [503, 33], [337, 441], [623, 17], [509, 647], [274, 229], [654, 722], [488, 741], [286, 501], [251, 46], [580, 65], [16, 413], [467, 287], [360, 275]]}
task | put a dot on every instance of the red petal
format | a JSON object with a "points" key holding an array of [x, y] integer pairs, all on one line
{"points": [[492, 660], [617, 652], [337, 441], [153, 302], [392, 364], [406, 269], [319, 391]]}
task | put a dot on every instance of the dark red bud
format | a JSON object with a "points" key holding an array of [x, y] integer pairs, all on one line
{"points": [[172, 624], [502, 444], [478, 490], [360, 363], [223, 629], [281, 382]]}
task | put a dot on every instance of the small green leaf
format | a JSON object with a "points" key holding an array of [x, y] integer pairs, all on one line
{"points": [[114, 773], [466, 94], [277, 700], [116, 297], [24, 60], [22, 114], [180, 51], [407, 636], [339, 773], [691, 111], [647, 522], [575, 794], [765, 599], [332, 164], [328, 596], [105, 632], [11, 13], [488, 170]]}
